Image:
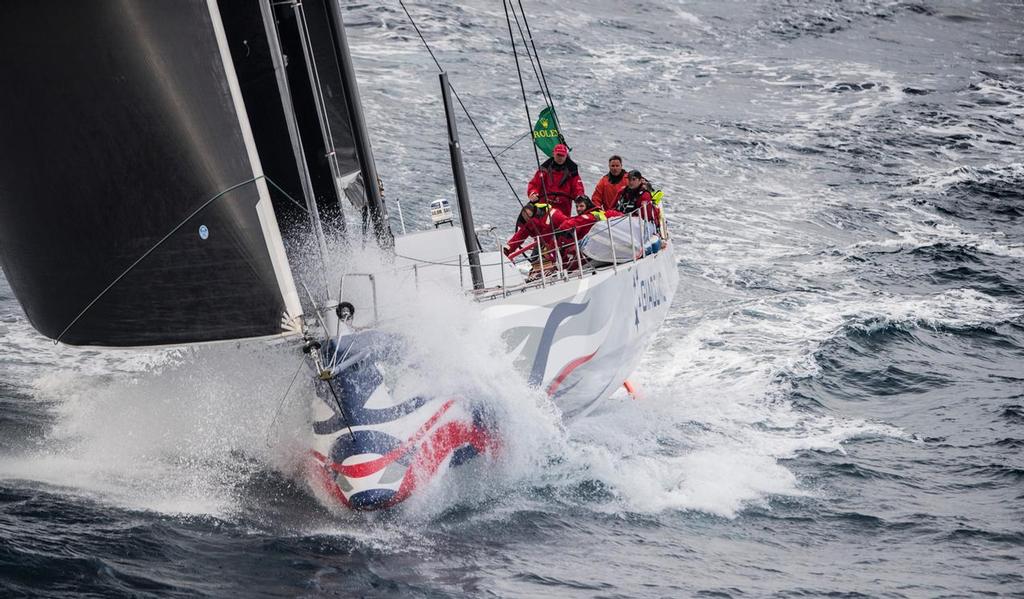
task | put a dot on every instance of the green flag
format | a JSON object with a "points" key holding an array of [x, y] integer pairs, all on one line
{"points": [[545, 133]]}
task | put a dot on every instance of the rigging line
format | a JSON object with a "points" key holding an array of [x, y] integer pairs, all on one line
{"points": [[312, 227], [511, 145], [484, 141], [277, 413], [522, 87], [526, 103], [536, 75], [150, 251], [540, 66], [316, 308], [325, 132], [423, 39], [464, 109], [341, 408], [433, 263], [334, 357], [285, 194], [325, 125]]}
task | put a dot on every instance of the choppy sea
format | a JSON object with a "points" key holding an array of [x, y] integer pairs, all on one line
{"points": [[834, 407]]}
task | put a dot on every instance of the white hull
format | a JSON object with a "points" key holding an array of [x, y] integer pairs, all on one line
{"points": [[580, 339], [576, 337]]}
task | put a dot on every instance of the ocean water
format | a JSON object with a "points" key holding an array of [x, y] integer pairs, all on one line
{"points": [[834, 407]]}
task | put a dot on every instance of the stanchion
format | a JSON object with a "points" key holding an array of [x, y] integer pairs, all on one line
{"points": [[632, 242], [501, 265], [611, 243], [579, 256]]}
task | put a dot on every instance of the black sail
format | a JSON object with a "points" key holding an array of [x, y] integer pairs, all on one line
{"points": [[120, 121], [315, 32], [282, 157], [339, 124], [321, 111]]}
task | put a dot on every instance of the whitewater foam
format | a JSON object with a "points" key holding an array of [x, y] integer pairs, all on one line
{"points": [[183, 430]]}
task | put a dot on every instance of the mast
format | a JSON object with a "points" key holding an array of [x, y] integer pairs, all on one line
{"points": [[378, 212], [461, 191], [277, 56]]}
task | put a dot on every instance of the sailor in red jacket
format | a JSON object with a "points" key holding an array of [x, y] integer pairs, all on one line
{"points": [[557, 181], [634, 197], [587, 215], [606, 193], [540, 221]]}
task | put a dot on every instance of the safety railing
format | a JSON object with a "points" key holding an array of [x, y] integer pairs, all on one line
{"points": [[558, 259], [554, 249]]}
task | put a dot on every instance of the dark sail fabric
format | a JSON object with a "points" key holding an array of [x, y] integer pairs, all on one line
{"points": [[328, 114], [120, 119], [254, 67], [349, 178], [315, 153]]}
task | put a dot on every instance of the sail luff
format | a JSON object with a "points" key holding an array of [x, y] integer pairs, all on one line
{"points": [[264, 208]]}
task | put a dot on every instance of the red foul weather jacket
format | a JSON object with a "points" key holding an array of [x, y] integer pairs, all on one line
{"points": [[586, 221], [607, 191], [561, 182], [540, 227]]}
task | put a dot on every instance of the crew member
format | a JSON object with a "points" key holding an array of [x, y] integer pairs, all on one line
{"points": [[524, 229], [606, 193], [587, 215], [557, 182], [635, 198], [540, 221]]}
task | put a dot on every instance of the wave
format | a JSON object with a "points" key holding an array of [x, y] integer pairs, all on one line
{"points": [[861, 471], [976, 193], [815, 20], [941, 266], [973, 534], [186, 431], [925, 234], [1013, 413], [937, 316], [960, 309], [990, 472], [910, 347]]}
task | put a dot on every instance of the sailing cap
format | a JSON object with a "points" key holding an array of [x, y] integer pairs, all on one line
{"points": [[635, 174], [561, 149]]}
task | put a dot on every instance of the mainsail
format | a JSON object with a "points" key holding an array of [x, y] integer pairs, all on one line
{"points": [[122, 120]]}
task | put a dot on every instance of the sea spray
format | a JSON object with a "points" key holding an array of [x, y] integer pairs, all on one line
{"points": [[448, 349]]}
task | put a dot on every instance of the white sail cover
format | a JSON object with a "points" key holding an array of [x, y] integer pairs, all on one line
{"points": [[619, 240]]}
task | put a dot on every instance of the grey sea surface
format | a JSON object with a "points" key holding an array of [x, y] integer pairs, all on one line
{"points": [[834, 407]]}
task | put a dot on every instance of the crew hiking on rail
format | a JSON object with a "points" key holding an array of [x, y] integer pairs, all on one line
{"points": [[554, 190]]}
